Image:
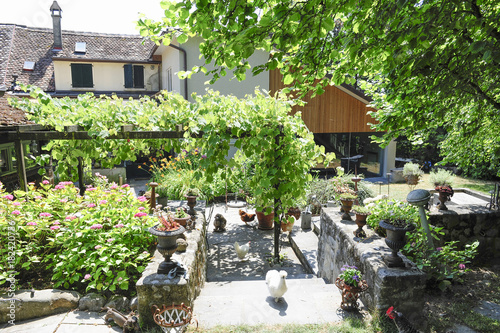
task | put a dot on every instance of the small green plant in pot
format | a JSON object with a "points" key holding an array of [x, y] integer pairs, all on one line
{"points": [[396, 218], [362, 213]]}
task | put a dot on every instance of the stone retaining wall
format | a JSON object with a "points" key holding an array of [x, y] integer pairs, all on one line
{"points": [[402, 288], [468, 223], [157, 289]]}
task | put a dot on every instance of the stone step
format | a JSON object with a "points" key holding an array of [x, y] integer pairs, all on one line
{"points": [[305, 245], [307, 301], [246, 287]]}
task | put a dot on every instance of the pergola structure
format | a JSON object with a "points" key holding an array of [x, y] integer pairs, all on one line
{"points": [[20, 133]]}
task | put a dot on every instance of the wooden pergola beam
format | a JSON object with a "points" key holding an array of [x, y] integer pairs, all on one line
{"points": [[83, 135]]}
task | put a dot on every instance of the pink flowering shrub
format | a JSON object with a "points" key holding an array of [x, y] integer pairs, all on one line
{"points": [[95, 242]]}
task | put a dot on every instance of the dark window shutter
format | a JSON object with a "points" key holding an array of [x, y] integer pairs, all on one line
{"points": [[129, 80], [139, 76], [88, 81], [81, 76]]}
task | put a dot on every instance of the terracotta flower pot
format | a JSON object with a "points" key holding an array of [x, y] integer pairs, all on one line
{"points": [[182, 220], [287, 226], [265, 221]]}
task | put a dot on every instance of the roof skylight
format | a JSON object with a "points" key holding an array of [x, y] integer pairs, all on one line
{"points": [[81, 47]]}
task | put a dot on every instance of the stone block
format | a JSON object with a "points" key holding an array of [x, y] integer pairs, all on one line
{"points": [[91, 302], [120, 303], [24, 304], [158, 289]]}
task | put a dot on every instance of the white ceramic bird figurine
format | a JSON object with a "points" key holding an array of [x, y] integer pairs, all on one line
{"points": [[241, 250], [276, 283]]}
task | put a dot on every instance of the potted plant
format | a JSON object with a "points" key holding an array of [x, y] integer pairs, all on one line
{"points": [[162, 192], [347, 200], [351, 284], [191, 194], [167, 232], [287, 223], [362, 213], [181, 217], [265, 214], [412, 173], [442, 180], [396, 218]]}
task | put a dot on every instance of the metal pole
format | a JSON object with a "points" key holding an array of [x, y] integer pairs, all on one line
{"points": [[21, 168]]}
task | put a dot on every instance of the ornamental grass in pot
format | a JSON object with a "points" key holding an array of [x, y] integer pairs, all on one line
{"points": [[412, 173], [442, 180]]}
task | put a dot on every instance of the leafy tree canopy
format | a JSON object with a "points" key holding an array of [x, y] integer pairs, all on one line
{"points": [[426, 63]]}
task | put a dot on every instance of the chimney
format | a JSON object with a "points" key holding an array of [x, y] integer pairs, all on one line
{"points": [[56, 22]]}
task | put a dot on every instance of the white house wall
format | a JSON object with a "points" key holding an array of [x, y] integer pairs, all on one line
{"points": [[174, 58], [107, 76]]}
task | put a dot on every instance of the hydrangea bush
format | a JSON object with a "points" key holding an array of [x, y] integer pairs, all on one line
{"points": [[96, 242]]}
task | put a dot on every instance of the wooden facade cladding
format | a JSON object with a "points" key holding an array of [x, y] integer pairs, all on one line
{"points": [[334, 111]]}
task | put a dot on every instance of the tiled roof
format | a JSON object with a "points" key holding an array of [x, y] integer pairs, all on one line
{"points": [[10, 116], [107, 47], [20, 43]]}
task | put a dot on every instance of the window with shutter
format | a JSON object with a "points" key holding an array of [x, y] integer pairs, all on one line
{"points": [[81, 76], [138, 77], [129, 80], [134, 76]]}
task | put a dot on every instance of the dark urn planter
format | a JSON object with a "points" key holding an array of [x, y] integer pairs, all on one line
{"points": [[167, 245], [266, 222], [360, 222], [395, 240], [346, 206], [191, 202]]}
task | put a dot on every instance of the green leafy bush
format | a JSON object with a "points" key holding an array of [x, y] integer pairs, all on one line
{"points": [[443, 265], [392, 211], [96, 242]]}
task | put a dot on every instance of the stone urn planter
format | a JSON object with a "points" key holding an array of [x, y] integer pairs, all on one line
{"points": [[167, 245], [362, 214], [347, 203], [191, 202], [395, 240], [350, 294], [445, 192], [266, 221]]}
